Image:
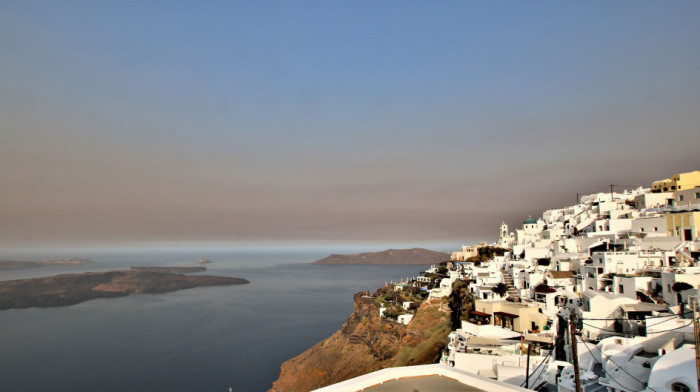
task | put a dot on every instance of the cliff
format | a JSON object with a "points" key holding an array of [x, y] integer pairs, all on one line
{"points": [[69, 289], [391, 256], [367, 343]]}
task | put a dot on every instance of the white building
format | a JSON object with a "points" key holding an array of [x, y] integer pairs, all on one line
{"points": [[421, 377]]}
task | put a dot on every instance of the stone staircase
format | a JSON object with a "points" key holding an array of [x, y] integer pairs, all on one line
{"points": [[682, 253], [508, 280]]}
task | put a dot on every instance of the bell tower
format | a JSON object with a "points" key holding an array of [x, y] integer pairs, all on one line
{"points": [[504, 231]]}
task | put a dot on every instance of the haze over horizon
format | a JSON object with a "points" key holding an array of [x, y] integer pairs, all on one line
{"points": [[145, 121]]}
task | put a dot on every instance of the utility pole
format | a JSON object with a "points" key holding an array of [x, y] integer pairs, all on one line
{"points": [[611, 192], [527, 368], [574, 352], [696, 331]]}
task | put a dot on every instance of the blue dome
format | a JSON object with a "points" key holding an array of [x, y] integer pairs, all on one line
{"points": [[530, 221]]}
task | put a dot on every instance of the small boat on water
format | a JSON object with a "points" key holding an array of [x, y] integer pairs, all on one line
{"points": [[203, 261]]}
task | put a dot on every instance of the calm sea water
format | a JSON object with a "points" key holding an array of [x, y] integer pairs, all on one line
{"points": [[202, 339]]}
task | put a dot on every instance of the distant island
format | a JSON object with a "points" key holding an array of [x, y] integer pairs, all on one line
{"points": [[172, 270], [70, 289], [417, 256], [14, 264]]}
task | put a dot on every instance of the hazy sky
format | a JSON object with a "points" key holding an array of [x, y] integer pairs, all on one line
{"points": [[366, 121]]}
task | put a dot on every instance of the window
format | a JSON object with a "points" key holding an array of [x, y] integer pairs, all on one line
{"points": [[642, 230], [679, 387], [656, 229], [680, 198], [621, 289], [697, 195]]}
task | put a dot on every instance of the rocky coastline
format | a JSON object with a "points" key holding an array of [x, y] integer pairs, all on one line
{"points": [[367, 342]]}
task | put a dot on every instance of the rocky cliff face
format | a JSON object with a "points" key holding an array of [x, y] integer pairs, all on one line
{"points": [[367, 343]]}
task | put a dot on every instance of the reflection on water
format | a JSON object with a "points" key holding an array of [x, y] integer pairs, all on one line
{"points": [[202, 339]]}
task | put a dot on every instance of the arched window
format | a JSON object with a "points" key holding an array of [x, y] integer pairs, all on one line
{"points": [[679, 387]]}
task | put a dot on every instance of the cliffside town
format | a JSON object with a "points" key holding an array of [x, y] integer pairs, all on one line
{"points": [[600, 294]]}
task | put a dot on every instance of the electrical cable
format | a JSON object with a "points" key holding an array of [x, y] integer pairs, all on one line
{"points": [[648, 317], [605, 188], [535, 371], [618, 366], [630, 333], [660, 322]]}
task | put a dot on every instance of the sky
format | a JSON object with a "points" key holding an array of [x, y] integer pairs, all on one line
{"points": [[332, 121]]}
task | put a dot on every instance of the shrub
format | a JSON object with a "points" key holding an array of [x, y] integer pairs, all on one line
{"points": [[500, 289]]}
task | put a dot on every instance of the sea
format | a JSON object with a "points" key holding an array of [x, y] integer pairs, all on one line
{"points": [[201, 339]]}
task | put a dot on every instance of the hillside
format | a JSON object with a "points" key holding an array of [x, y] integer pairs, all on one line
{"points": [[417, 256], [367, 343]]}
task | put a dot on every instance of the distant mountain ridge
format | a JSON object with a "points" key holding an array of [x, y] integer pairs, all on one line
{"points": [[15, 264], [418, 256]]}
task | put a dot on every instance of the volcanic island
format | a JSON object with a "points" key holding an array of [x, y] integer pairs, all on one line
{"points": [[70, 289]]}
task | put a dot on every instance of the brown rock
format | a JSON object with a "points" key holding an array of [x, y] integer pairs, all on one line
{"points": [[367, 343]]}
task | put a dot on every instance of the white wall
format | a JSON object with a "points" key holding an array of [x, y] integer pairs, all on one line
{"points": [[669, 278], [652, 227], [631, 285], [689, 196], [652, 200], [473, 363]]}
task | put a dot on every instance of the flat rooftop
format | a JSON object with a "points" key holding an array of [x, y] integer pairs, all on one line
{"points": [[421, 378], [423, 384]]}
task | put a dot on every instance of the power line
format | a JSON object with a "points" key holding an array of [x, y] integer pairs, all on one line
{"points": [[648, 317], [661, 322], [536, 368], [618, 366], [631, 333], [605, 188]]}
